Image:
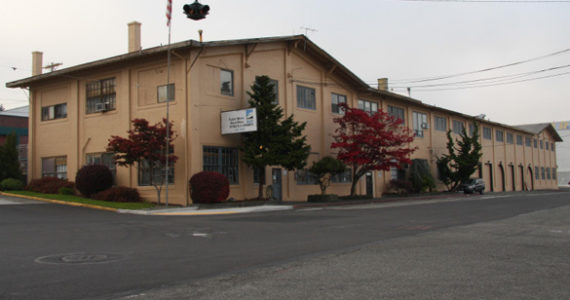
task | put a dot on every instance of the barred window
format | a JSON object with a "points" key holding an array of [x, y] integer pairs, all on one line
{"points": [[54, 167], [58, 111], [306, 97], [101, 95], [150, 174], [222, 160], [337, 99], [440, 123], [397, 113]]}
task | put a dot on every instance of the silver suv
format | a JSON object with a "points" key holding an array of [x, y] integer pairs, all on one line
{"points": [[474, 185]]}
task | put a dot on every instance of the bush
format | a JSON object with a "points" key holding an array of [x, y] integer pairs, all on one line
{"points": [[209, 187], [420, 176], [92, 179], [11, 184], [48, 185], [401, 186], [118, 194], [323, 198], [66, 191]]}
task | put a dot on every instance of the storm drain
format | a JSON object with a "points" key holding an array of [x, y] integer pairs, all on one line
{"points": [[78, 258]]}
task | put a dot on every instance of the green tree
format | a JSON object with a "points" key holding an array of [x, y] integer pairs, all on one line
{"points": [[9, 162], [324, 169], [277, 141], [462, 160], [420, 176]]}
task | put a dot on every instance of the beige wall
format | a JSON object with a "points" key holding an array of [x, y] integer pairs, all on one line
{"points": [[196, 116]]}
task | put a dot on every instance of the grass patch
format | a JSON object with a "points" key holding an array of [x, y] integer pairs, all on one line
{"points": [[78, 199]]}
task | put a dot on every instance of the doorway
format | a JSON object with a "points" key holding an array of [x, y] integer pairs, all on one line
{"points": [[276, 183], [369, 184], [491, 185], [513, 180]]}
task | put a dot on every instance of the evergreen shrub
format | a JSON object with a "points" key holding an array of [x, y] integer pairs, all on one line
{"points": [[92, 179], [209, 187], [118, 194], [48, 185], [11, 184]]}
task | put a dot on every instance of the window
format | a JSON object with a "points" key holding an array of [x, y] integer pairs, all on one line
{"points": [[227, 82], [499, 135], [151, 175], [344, 177], [519, 139], [552, 147], [471, 129], [222, 160], [397, 173], [105, 159], [527, 141], [165, 93], [535, 143], [487, 133], [256, 175], [546, 144], [536, 173], [542, 172], [275, 84], [306, 97], [419, 122], [337, 99], [548, 173], [58, 111], [541, 144], [54, 167], [396, 112], [101, 95], [304, 177], [368, 106], [440, 123], [554, 173], [458, 127], [509, 138]]}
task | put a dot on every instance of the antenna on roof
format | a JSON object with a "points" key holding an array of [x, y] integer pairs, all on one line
{"points": [[307, 29], [52, 66]]}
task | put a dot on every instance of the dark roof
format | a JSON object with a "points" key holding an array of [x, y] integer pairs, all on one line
{"points": [[540, 127]]}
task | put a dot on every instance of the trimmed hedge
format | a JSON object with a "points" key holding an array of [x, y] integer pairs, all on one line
{"points": [[92, 179], [118, 194], [11, 184], [48, 185], [209, 187]]}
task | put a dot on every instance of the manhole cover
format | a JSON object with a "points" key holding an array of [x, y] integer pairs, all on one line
{"points": [[78, 258]]}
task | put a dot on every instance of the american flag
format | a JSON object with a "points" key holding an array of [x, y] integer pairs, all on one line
{"points": [[168, 11]]}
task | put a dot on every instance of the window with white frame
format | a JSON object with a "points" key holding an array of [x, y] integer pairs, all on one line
{"points": [[222, 160], [226, 82], [101, 95], [440, 123], [419, 123], [53, 112], [368, 106], [54, 167], [337, 99], [306, 97]]}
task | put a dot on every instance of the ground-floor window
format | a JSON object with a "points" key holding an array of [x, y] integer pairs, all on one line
{"points": [[54, 167], [150, 174], [344, 177], [222, 160], [554, 173], [304, 177], [105, 159]]}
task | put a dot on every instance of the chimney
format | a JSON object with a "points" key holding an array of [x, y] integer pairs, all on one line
{"points": [[37, 61], [134, 36], [383, 84]]}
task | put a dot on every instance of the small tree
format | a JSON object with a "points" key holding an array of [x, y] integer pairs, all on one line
{"points": [[325, 169], [9, 162], [461, 161], [371, 142], [146, 146], [276, 141]]}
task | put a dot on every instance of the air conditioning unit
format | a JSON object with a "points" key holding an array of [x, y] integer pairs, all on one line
{"points": [[425, 126], [102, 107]]}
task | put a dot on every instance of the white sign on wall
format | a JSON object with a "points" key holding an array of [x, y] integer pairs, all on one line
{"points": [[239, 121]]}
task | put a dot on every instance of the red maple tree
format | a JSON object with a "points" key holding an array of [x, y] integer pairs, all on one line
{"points": [[146, 146], [369, 142]]}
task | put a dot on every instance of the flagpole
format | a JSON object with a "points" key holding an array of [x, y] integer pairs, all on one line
{"points": [[168, 16]]}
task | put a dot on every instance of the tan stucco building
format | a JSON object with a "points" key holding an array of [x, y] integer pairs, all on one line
{"points": [[74, 111]]}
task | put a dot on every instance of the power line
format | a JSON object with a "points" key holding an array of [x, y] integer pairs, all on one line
{"points": [[404, 81]]}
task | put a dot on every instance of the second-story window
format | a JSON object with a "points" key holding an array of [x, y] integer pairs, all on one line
{"points": [[337, 99], [457, 127], [275, 84], [487, 133], [227, 82], [306, 97], [527, 141], [509, 138], [419, 122], [519, 139], [368, 106], [58, 111], [101, 95], [499, 135], [541, 144], [397, 113], [440, 123]]}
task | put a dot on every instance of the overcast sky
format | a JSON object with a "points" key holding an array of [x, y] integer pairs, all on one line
{"points": [[401, 40]]}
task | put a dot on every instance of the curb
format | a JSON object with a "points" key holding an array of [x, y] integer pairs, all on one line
{"points": [[61, 202]]}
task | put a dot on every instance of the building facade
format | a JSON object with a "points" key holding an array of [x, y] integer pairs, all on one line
{"points": [[101, 98], [15, 121], [563, 152]]}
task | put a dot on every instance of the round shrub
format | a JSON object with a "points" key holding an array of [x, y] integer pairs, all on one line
{"points": [[209, 187], [11, 184], [118, 194], [66, 191], [92, 179], [48, 185]]}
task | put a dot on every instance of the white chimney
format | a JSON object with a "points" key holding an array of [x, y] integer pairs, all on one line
{"points": [[37, 61], [134, 36]]}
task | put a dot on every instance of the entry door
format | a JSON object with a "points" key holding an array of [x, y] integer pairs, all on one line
{"points": [[276, 183], [491, 187], [513, 177], [369, 184]]}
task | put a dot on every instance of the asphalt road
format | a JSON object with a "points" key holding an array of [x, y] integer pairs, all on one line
{"points": [[510, 246]]}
